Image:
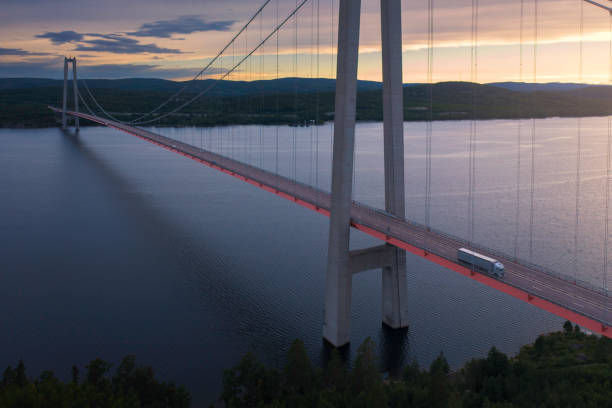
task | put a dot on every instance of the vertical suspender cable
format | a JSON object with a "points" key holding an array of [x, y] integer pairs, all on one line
{"points": [[312, 7], [221, 107], [471, 158], [607, 221], [247, 133], [355, 146], [259, 105], [517, 218], [476, 22], [317, 108], [473, 79], [578, 151], [277, 92], [219, 111], [533, 128], [428, 128], [210, 138], [232, 142], [262, 68], [295, 93], [331, 126]]}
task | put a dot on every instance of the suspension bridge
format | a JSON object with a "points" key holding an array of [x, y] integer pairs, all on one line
{"points": [[569, 297]]}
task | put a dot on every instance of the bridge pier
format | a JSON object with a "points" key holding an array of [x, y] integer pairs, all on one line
{"points": [[343, 263]]}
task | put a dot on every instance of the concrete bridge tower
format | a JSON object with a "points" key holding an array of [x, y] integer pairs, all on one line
{"points": [[65, 92], [342, 263]]}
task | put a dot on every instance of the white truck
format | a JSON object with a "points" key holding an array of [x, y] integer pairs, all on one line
{"points": [[480, 262]]}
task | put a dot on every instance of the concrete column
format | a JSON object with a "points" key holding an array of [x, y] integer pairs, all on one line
{"points": [[65, 94], [76, 94], [337, 324], [394, 297]]}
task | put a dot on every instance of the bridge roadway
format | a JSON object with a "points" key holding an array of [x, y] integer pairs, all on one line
{"points": [[566, 299]]}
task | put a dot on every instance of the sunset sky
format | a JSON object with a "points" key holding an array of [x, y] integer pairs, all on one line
{"points": [[174, 40]]}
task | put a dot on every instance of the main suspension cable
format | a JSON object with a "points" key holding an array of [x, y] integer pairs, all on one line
{"points": [[210, 63], [96, 102], [228, 72]]}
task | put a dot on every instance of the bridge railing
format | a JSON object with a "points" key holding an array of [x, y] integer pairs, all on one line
{"points": [[498, 254]]}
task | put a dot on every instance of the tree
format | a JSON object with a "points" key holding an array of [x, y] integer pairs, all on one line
{"points": [[8, 377], [96, 370], [48, 391], [365, 372], [336, 375], [568, 327], [75, 374], [20, 375], [439, 389], [298, 370], [496, 363], [250, 383], [366, 382]]}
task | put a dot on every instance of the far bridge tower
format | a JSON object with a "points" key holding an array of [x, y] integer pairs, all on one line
{"points": [[65, 92]]}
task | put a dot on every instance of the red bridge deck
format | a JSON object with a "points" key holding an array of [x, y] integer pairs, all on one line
{"points": [[568, 300]]}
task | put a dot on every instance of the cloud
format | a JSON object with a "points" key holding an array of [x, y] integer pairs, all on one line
{"points": [[113, 43], [61, 37], [20, 52], [117, 44], [181, 25]]}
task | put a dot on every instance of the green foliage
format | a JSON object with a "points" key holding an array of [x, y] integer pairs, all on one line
{"points": [[563, 369], [131, 386], [298, 372]]}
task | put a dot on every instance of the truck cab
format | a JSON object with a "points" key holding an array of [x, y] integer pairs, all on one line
{"points": [[498, 268]]}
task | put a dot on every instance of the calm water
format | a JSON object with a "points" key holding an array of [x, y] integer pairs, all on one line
{"points": [[112, 246]]}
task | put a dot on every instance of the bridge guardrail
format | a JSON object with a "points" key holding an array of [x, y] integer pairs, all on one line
{"points": [[498, 254]]}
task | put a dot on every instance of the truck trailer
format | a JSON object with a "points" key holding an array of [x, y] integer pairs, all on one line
{"points": [[480, 262]]}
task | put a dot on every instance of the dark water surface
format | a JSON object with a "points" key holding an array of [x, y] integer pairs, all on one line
{"points": [[112, 246]]}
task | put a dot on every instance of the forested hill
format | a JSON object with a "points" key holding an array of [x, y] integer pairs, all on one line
{"points": [[297, 101], [563, 369], [221, 88]]}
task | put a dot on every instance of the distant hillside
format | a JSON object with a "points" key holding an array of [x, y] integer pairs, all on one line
{"points": [[550, 86], [282, 85], [457, 100], [294, 101], [220, 88]]}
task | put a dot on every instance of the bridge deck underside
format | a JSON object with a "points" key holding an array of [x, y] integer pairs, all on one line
{"points": [[583, 306]]}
